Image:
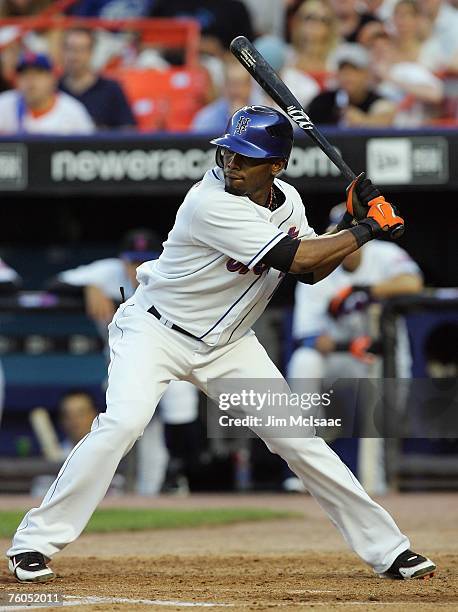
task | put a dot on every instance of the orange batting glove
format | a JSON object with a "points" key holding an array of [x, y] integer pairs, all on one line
{"points": [[384, 218], [360, 348]]}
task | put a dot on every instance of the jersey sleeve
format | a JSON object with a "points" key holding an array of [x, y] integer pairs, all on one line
{"points": [[310, 310], [232, 226], [91, 274], [305, 231]]}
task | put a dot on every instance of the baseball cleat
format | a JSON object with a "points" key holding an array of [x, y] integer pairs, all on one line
{"points": [[30, 567], [410, 565]]}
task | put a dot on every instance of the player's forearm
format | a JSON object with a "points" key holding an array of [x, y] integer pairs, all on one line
{"points": [[399, 285], [324, 253]]}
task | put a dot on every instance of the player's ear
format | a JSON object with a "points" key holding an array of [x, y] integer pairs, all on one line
{"points": [[278, 166]]}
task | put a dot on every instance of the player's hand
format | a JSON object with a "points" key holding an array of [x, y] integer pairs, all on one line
{"points": [[382, 217], [349, 299], [325, 344], [360, 193], [361, 348], [99, 307]]}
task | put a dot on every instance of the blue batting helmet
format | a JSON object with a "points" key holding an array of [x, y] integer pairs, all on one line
{"points": [[258, 131]]}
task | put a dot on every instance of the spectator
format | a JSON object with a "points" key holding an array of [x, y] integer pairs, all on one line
{"points": [[22, 8], [220, 20], [313, 36], [239, 90], [103, 98], [38, 41], [410, 47], [268, 16], [351, 21], [414, 89], [275, 51], [353, 103], [35, 107], [111, 9], [381, 9], [443, 20]]}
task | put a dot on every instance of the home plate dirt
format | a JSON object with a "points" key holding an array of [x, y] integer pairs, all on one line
{"points": [[293, 564]]}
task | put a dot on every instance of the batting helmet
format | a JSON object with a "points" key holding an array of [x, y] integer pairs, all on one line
{"points": [[257, 131]]}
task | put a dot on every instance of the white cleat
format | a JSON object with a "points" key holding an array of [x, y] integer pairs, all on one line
{"points": [[30, 567], [410, 565]]}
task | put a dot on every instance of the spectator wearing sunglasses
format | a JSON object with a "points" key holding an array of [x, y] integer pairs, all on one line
{"points": [[313, 37]]}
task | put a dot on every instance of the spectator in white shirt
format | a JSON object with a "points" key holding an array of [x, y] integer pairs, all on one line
{"points": [[408, 40], [35, 107], [444, 24], [415, 90]]}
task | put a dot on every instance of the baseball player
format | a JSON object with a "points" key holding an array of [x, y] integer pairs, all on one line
{"points": [[238, 231], [101, 281], [331, 326], [330, 322]]}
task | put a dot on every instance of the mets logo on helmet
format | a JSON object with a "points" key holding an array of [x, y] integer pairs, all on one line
{"points": [[242, 124]]}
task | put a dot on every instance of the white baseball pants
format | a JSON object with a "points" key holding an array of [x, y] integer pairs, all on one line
{"points": [[145, 356]]}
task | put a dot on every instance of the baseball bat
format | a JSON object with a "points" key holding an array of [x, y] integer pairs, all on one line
{"points": [[272, 84], [46, 434]]}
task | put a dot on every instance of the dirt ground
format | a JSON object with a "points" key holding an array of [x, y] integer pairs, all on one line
{"points": [[294, 564]]}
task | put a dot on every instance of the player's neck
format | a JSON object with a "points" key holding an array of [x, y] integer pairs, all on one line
{"points": [[262, 196]]}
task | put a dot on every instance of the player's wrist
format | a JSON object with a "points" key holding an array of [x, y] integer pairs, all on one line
{"points": [[366, 230]]}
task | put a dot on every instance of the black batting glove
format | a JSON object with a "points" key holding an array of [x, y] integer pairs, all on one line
{"points": [[360, 193]]}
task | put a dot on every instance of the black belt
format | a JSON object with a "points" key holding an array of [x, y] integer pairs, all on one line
{"points": [[169, 324]]}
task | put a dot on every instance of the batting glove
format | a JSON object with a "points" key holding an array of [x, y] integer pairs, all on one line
{"points": [[383, 218], [360, 193], [349, 299]]}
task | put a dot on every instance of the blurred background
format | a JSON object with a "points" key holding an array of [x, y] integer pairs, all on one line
{"points": [[106, 112]]}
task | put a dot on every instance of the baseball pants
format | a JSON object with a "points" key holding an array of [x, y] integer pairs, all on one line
{"points": [[145, 357]]}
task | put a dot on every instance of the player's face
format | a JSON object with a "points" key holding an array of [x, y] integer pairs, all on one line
{"points": [[77, 414], [247, 175]]}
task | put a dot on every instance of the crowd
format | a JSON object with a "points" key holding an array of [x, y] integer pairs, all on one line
{"points": [[349, 62]]}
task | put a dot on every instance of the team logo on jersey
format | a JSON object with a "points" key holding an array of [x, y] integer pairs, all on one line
{"points": [[236, 266], [293, 232], [242, 125]]}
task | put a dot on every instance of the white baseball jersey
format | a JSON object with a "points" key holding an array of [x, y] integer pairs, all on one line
{"points": [[380, 262], [66, 116], [210, 279], [107, 274]]}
